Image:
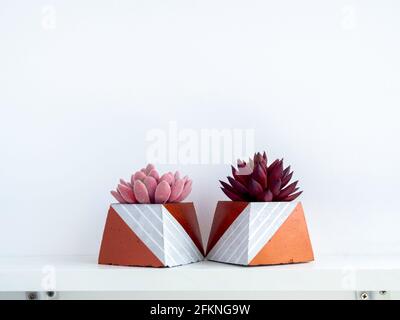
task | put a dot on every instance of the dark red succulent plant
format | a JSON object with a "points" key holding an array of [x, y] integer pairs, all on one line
{"points": [[255, 181]]}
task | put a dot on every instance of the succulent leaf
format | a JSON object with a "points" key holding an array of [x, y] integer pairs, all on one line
{"points": [[140, 175], [286, 179], [273, 164], [231, 195], [266, 196], [151, 185], [154, 173], [148, 169], [176, 190], [288, 190], [286, 171], [186, 191], [163, 191], [228, 187], [276, 172], [126, 193], [169, 177], [141, 192], [122, 181], [275, 186], [255, 188], [265, 157], [259, 175], [293, 196], [117, 196], [236, 185]]}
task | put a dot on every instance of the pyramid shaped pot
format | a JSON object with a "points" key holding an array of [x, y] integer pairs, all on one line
{"points": [[259, 233], [152, 235]]}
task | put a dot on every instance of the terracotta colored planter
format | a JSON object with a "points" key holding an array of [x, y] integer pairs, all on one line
{"points": [[153, 235], [259, 233]]}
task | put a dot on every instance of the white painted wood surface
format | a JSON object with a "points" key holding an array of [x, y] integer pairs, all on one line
{"points": [[83, 274]]}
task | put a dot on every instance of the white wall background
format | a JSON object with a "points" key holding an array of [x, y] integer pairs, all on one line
{"points": [[82, 82]]}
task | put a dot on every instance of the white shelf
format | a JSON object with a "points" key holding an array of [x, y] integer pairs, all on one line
{"points": [[84, 274]]}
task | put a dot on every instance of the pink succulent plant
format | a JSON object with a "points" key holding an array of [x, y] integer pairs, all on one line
{"points": [[147, 186]]}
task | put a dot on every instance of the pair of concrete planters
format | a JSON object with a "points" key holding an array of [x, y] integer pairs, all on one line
{"points": [[243, 233]]}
